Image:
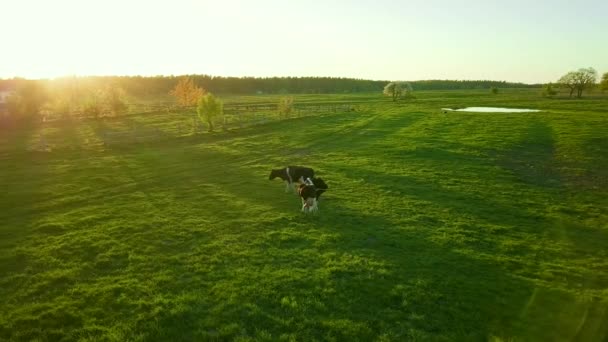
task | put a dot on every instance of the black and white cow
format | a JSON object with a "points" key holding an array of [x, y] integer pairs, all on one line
{"points": [[292, 174], [310, 191]]}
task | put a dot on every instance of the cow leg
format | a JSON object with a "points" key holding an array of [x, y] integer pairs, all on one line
{"points": [[287, 186], [315, 206]]}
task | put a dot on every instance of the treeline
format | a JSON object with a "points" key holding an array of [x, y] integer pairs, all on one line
{"points": [[140, 86], [462, 85]]}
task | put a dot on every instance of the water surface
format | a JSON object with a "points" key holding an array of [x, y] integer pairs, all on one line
{"points": [[492, 110]]}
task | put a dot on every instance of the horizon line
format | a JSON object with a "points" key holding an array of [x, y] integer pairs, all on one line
{"points": [[259, 77]]}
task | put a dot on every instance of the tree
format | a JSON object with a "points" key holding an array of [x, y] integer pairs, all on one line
{"points": [[579, 80], [398, 90], [209, 107], [61, 106], [494, 90], [394, 90], [568, 81], [407, 90], [548, 90], [13, 105], [27, 100], [286, 106], [186, 92], [93, 104], [114, 100], [585, 79], [604, 82]]}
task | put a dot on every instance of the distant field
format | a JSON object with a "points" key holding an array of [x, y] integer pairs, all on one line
{"points": [[450, 227]]}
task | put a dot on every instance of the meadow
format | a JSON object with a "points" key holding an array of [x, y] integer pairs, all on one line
{"points": [[436, 226]]}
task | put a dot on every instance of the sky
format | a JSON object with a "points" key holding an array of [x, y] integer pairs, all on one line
{"points": [[515, 40]]}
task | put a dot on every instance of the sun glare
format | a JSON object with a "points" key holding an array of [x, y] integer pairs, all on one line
{"points": [[437, 39]]}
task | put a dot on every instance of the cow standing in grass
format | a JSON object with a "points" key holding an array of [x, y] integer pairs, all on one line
{"points": [[292, 174], [309, 192]]}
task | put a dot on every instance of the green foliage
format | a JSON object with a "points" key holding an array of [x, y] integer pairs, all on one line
{"points": [[285, 106], [159, 86], [98, 103], [93, 104], [457, 227], [548, 90], [27, 100], [114, 100], [407, 91], [494, 90], [61, 106], [604, 82], [209, 109]]}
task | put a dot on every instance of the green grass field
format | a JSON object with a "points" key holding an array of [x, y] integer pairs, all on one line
{"points": [[436, 227]]}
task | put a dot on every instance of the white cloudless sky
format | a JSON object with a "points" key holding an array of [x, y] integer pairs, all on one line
{"points": [[515, 40]]}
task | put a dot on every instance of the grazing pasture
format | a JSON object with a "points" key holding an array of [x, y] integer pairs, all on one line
{"points": [[436, 226]]}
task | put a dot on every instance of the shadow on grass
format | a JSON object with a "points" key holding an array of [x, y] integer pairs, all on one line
{"points": [[348, 276], [213, 252], [532, 161]]}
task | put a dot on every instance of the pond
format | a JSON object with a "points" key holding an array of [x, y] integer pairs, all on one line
{"points": [[492, 110]]}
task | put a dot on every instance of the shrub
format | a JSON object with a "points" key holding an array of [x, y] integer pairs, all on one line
{"points": [[548, 90], [27, 100], [114, 100], [93, 105], [209, 108], [286, 106]]}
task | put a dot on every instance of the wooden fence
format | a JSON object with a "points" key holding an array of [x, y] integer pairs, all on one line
{"points": [[235, 117]]}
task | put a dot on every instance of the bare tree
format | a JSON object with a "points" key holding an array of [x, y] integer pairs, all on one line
{"points": [[579, 80], [586, 79], [568, 81]]}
